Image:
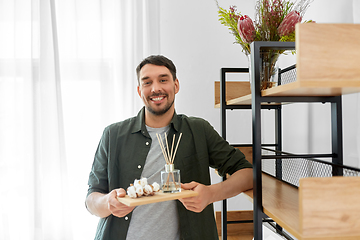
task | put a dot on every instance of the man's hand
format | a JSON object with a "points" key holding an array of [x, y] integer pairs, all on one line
{"points": [[199, 202], [238, 182], [102, 205], [117, 208]]}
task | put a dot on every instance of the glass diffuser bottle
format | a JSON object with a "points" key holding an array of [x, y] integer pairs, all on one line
{"points": [[170, 179]]}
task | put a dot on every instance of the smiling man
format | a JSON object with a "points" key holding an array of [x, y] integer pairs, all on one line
{"points": [[129, 150], [157, 89]]}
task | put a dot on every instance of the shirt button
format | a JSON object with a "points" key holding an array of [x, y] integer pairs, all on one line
{"points": [[139, 166], [126, 218], [147, 143]]}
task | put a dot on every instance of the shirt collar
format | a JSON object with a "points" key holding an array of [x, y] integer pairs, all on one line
{"points": [[175, 122], [140, 122]]}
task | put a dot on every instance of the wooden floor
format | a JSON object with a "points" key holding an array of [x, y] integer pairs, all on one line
{"points": [[239, 237]]}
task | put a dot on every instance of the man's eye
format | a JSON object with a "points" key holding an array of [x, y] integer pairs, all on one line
{"points": [[163, 80], [146, 83]]}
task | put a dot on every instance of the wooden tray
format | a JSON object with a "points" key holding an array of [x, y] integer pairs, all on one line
{"points": [[158, 197]]}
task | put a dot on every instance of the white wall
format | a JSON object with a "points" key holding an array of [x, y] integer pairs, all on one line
{"points": [[191, 35], [199, 45]]}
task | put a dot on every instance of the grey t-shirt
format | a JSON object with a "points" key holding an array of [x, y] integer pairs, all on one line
{"points": [[156, 220]]}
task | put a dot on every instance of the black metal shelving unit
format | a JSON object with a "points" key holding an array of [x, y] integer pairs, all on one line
{"points": [[333, 168], [223, 108]]}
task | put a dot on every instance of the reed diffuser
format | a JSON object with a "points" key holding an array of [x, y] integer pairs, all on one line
{"points": [[170, 177]]}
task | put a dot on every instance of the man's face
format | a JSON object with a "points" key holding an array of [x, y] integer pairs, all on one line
{"points": [[157, 88]]}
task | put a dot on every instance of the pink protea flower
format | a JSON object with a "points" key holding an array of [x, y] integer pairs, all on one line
{"points": [[246, 29], [287, 26]]}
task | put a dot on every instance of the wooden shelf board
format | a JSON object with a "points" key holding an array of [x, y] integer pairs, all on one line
{"points": [[301, 89], [306, 212], [329, 207], [281, 203], [312, 88], [234, 89], [236, 229], [324, 57], [244, 100]]}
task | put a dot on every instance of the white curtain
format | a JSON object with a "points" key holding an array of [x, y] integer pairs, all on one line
{"points": [[67, 69]]}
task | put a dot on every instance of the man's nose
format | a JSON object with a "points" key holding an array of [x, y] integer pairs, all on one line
{"points": [[156, 87]]}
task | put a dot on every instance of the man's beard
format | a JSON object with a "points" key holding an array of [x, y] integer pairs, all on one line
{"points": [[161, 111]]}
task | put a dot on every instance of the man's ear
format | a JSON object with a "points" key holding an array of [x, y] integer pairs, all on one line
{"points": [[138, 90], [177, 86]]}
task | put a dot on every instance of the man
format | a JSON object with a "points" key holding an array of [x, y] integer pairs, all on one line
{"points": [[129, 150]]}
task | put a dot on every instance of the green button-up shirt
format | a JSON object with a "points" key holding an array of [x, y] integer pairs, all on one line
{"points": [[121, 155]]}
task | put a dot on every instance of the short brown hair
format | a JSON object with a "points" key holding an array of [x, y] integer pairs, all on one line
{"points": [[158, 60]]}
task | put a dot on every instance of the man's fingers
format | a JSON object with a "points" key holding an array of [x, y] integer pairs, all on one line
{"points": [[120, 192], [191, 206], [189, 186]]}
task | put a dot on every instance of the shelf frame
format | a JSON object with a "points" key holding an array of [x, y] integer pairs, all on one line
{"points": [[278, 136], [256, 100], [320, 78], [225, 106]]}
